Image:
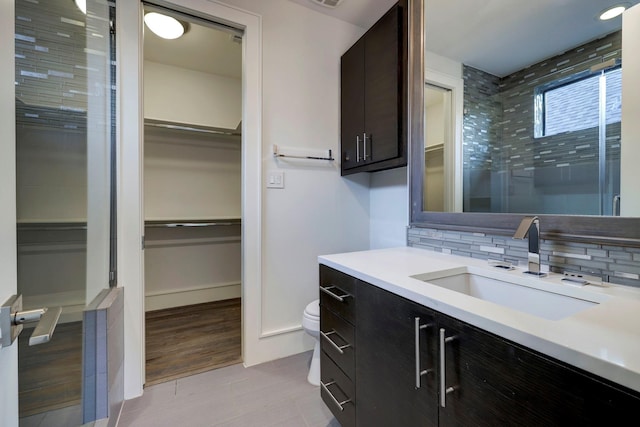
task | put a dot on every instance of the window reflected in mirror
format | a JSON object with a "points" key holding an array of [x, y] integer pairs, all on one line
{"points": [[545, 139]]}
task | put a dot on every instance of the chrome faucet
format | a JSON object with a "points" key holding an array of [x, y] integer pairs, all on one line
{"points": [[530, 226]]}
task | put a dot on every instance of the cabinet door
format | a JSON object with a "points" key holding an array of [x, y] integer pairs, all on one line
{"points": [[386, 361], [495, 382], [352, 105], [383, 88], [476, 369]]}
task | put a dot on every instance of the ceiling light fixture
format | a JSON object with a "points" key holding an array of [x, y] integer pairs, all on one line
{"points": [[82, 5], [612, 12], [328, 3], [164, 26]]}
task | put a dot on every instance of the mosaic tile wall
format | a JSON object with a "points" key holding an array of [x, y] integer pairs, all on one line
{"points": [[613, 264], [507, 169], [61, 54]]}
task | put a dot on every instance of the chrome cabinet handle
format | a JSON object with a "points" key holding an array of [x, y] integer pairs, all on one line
{"points": [[616, 205], [333, 295], [339, 404], [444, 390], [364, 146], [417, 328], [339, 348], [358, 148]]}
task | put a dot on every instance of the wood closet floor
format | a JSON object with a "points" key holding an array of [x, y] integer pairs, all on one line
{"points": [[188, 340], [50, 374]]}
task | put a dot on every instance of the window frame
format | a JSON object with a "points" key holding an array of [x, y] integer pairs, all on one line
{"points": [[540, 91]]}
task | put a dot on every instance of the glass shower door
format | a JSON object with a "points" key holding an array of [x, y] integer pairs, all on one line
{"points": [[65, 134]]}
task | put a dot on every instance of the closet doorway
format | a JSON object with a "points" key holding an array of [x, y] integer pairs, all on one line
{"points": [[192, 196]]}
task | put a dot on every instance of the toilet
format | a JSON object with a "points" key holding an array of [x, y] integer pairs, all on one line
{"points": [[311, 324]]}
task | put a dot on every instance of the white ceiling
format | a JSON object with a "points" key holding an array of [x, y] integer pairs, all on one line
{"points": [[497, 36], [503, 36], [201, 48], [363, 13]]}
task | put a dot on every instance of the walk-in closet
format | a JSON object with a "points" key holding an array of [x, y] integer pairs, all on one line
{"points": [[192, 197]]}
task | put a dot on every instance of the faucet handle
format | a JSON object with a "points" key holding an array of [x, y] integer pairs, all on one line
{"points": [[524, 226]]}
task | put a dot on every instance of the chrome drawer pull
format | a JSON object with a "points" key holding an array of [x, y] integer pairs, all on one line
{"points": [[364, 146], [444, 390], [338, 348], [417, 328], [325, 387], [357, 148], [328, 289]]}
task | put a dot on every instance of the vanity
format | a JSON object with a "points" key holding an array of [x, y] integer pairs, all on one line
{"points": [[411, 337]]}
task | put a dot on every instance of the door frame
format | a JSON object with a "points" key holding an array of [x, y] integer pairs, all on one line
{"points": [[8, 250], [130, 176], [453, 155]]}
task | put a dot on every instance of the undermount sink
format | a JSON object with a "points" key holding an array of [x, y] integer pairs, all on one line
{"points": [[541, 303]]}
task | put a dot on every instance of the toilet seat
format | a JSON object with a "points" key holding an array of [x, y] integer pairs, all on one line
{"points": [[311, 325], [312, 309], [311, 317]]}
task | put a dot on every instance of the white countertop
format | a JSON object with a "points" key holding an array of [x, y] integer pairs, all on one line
{"points": [[603, 339]]}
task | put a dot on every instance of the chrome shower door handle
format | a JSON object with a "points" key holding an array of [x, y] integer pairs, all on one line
{"points": [[46, 325]]}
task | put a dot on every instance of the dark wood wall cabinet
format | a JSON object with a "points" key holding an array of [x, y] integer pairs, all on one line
{"points": [[418, 367], [373, 96]]}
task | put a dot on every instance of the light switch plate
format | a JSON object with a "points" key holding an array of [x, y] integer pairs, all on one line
{"points": [[275, 179]]}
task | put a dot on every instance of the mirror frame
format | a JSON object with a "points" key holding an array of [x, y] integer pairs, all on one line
{"points": [[617, 231]]}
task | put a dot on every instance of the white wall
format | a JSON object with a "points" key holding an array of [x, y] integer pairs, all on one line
{"points": [[317, 212], [51, 175], [434, 131], [191, 176], [8, 279], [204, 99], [291, 80], [630, 202], [389, 209]]}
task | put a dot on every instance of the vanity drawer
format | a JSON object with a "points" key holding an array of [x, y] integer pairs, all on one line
{"points": [[338, 293], [337, 340], [337, 392]]}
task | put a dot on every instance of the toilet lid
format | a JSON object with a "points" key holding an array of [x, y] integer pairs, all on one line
{"points": [[313, 308]]}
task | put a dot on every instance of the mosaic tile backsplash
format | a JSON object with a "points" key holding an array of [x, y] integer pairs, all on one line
{"points": [[508, 168], [613, 264]]}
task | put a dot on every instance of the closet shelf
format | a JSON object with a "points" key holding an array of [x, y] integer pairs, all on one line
{"points": [[434, 147], [190, 223], [51, 226], [191, 128]]}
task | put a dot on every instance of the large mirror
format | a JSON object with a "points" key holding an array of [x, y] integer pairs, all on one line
{"points": [[522, 115]]}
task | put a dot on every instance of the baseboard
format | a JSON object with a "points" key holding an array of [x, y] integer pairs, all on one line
{"points": [[180, 297]]}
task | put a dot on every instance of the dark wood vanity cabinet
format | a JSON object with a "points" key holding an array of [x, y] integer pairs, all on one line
{"points": [[337, 343], [373, 96], [389, 391], [404, 349]]}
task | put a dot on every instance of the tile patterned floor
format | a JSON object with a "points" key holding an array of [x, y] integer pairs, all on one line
{"points": [[273, 394], [71, 416]]}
